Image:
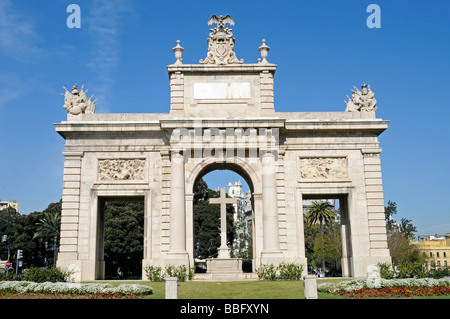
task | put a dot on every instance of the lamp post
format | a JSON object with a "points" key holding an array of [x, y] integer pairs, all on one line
{"points": [[54, 248], [5, 238]]}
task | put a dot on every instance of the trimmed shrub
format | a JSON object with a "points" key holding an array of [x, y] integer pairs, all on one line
{"points": [[284, 271], [155, 273], [50, 274], [267, 272], [290, 271]]}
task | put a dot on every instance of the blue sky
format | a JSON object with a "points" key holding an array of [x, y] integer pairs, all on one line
{"points": [[322, 49]]}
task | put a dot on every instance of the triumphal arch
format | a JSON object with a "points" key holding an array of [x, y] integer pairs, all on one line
{"points": [[222, 116]]}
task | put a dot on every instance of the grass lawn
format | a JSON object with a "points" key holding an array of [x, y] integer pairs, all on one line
{"points": [[245, 290], [233, 290]]}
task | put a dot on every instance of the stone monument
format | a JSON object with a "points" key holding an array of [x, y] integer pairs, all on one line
{"points": [[222, 116], [224, 267]]}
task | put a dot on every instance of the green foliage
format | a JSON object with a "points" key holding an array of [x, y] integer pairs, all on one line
{"points": [[389, 211], [155, 273], [321, 212], [50, 274], [399, 236], [401, 249], [124, 237], [411, 270], [290, 271], [284, 271], [10, 276], [21, 231], [440, 273], [48, 226], [386, 271], [181, 272], [404, 270], [267, 272]]}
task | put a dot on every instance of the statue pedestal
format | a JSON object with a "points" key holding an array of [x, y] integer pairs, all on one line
{"points": [[224, 268]]}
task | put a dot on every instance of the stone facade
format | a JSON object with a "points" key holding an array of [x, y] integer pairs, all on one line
{"points": [[222, 116]]}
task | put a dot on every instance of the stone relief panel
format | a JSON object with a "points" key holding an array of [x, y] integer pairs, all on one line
{"points": [[121, 169], [323, 168]]}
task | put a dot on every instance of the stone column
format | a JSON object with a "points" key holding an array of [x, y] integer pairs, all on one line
{"points": [[271, 246], [177, 230], [70, 215]]}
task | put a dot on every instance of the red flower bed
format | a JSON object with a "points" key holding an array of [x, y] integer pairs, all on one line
{"points": [[395, 292]]}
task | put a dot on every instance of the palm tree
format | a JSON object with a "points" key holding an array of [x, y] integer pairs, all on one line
{"points": [[48, 226], [322, 212]]}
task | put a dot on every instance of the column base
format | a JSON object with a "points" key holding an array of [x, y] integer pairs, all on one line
{"points": [[224, 269], [177, 259], [274, 257], [223, 253]]}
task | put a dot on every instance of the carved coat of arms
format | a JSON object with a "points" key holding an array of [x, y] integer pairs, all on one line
{"points": [[221, 43]]}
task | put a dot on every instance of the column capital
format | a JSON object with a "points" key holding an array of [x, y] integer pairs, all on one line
{"points": [[174, 153], [73, 153]]}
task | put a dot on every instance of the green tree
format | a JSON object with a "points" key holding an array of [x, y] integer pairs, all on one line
{"points": [[48, 226], [9, 219], [389, 211], [124, 238], [399, 237], [328, 249], [322, 212], [407, 228], [22, 229], [34, 249]]}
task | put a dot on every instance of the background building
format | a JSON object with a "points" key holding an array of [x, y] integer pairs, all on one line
{"points": [[437, 250], [14, 204], [242, 219]]}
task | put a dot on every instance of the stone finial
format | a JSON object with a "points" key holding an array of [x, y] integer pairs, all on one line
{"points": [[264, 49], [221, 43], [178, 50], [76, 102], [363, 100]]}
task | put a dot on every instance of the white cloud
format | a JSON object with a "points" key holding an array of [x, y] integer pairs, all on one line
{"points": [[105, 22], [11, 86], [17, 33]]}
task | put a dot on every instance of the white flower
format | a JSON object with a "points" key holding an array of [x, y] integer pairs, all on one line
{"points": [[75, 288]]}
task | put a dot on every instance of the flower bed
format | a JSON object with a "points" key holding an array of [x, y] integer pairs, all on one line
{"points": [[385, 288], [93, 290]]}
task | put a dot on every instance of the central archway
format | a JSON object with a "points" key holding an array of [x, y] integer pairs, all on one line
{"points": [[248, 172]]}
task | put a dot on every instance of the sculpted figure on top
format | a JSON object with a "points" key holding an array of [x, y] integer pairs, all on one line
{"points": [[221, 42], [362, 100], [77, 102]]}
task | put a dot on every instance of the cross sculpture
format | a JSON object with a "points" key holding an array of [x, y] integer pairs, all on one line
{"points": [[224, 251]]}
